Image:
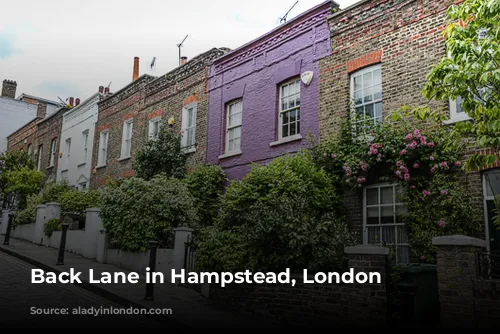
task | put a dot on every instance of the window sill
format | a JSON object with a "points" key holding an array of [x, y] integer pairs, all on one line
{"points": [[82, 164], [51, 166], [100, 166], [189, 150], [456, 120], [125, 158], [286, 140], [230, 154], [64, 170]]}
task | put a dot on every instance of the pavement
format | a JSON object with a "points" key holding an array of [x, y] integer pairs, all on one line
{"points": [[179, 308], [26, 305]]}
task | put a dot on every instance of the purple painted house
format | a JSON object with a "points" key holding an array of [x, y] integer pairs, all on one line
{"points": [[264, 95]]}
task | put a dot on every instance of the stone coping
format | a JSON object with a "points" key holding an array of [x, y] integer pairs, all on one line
{"points": [[366, 250], [458, 240]]}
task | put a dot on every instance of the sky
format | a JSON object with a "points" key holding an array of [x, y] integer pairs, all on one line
{"points": [[63, 48]]}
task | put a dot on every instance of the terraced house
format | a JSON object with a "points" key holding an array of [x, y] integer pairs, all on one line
{"points": [[264, 95], [133, 115], [381, 53]]}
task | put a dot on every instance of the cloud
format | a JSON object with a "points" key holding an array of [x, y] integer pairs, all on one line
{"points": [[7, 48], [58, 88]]}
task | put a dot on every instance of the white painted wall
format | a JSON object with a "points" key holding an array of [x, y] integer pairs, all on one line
{"points": [[14, 114], [75, 168]]}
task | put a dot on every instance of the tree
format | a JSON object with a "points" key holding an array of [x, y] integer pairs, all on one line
{"points": [[18, 179], [163, 155], [471, 71]]}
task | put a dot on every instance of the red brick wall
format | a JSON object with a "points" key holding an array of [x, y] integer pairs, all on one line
{"points": [[48, 129], [28, 133]]}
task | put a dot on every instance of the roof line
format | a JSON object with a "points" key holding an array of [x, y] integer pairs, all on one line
{"points": [[145, 75], [36, 98]]}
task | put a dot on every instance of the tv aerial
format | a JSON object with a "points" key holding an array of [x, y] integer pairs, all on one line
{"points": [[152, 65], [283, 19], [179, 46]]}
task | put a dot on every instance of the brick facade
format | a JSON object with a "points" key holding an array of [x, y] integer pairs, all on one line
{"points": [[150, 97], [403, 37]]}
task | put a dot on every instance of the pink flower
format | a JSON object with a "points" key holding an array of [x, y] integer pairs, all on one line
{"points": [[416, 165], [442, 223], [458, 163], [334, 155], [412, 187], [431, 144], [434, 169], [422, 258], [398, 173], [443, 164], [417, 132], [403, 152], [361, 180], [399, 163], [431, 158], [404, 169], [426, 193], [407, 177], [409, 137], [444, 192]]}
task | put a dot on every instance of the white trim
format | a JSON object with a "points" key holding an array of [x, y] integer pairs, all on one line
{"points": [[124, 154], [238, 149], [297, 82], [185, 128], [53, 146], [286, 140], [151, 123], [85, 134], [454, 115], [39, 157], [102, 158]]}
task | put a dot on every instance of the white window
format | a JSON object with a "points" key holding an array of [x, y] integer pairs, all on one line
{"points": [[233, 126], [127, 138], [82, 185], [289, 109], [85, 145], [39, 162], [382, 211], [53, 146], [366, 94], [103, 148], [154, 128], [189, 127]]}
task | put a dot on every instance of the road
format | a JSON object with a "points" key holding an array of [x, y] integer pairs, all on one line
{"points": [[20, 299]]}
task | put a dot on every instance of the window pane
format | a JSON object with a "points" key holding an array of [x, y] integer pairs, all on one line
{"points": [[377, 77], [386, 195], [372, 215], [372, 196], [387, 215], [292, 129], [357, 82], [378, 109], [285, 118], [403, 254], [367, 79], [373, 234], [377, 92], [297, 114], [389, 235], [292, 116], [284, 130], [367, 95], [369, 111], [237, 143], [402, 234], [360, 112], [237, 132], [358, 99]]}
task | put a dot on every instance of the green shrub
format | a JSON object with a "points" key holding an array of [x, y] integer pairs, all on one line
{"points": [[77, 202], [137, 211], [51, 226], [206, 184]]}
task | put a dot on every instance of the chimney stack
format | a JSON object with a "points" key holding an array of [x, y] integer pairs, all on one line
{"points": [[106, 91], [9, 88], [71, 101], [101, 89], [136, 69], [41, 110], [183, 60], [77, 101]]}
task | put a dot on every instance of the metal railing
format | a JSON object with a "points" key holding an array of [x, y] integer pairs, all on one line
{"points": [[488, 265]]}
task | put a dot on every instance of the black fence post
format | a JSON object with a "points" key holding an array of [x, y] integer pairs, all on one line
{"points": [[62, 244], [150, 287], [9, 227]]}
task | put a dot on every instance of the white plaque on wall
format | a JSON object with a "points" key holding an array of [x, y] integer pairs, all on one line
{"points": [[307, 77]]}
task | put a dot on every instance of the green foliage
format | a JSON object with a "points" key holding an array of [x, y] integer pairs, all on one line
{"points": [[280, 215], [471, 70], [206, 184], [164, 155], [75, 201], [137, 211], [18, 178], [52, 226], [423, 158]]}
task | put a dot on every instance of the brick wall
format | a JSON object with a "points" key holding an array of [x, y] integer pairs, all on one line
{"points": [[16, 141], [316, 304], [113, 111]]}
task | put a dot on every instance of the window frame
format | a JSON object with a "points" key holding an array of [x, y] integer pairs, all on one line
{"points": [[103, 145], [53, 149], [152, 121], [281, 112], [85, 135], [39, 157], [380, 225], [126, 151], [185, 119], [361, 72], [227, 110]]}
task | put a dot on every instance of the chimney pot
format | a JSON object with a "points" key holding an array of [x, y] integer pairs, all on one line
{"points": [[106, 90], [101, 89], [183, 60], [71, 101], [136, 69], [77, 101], [9, 88]]}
